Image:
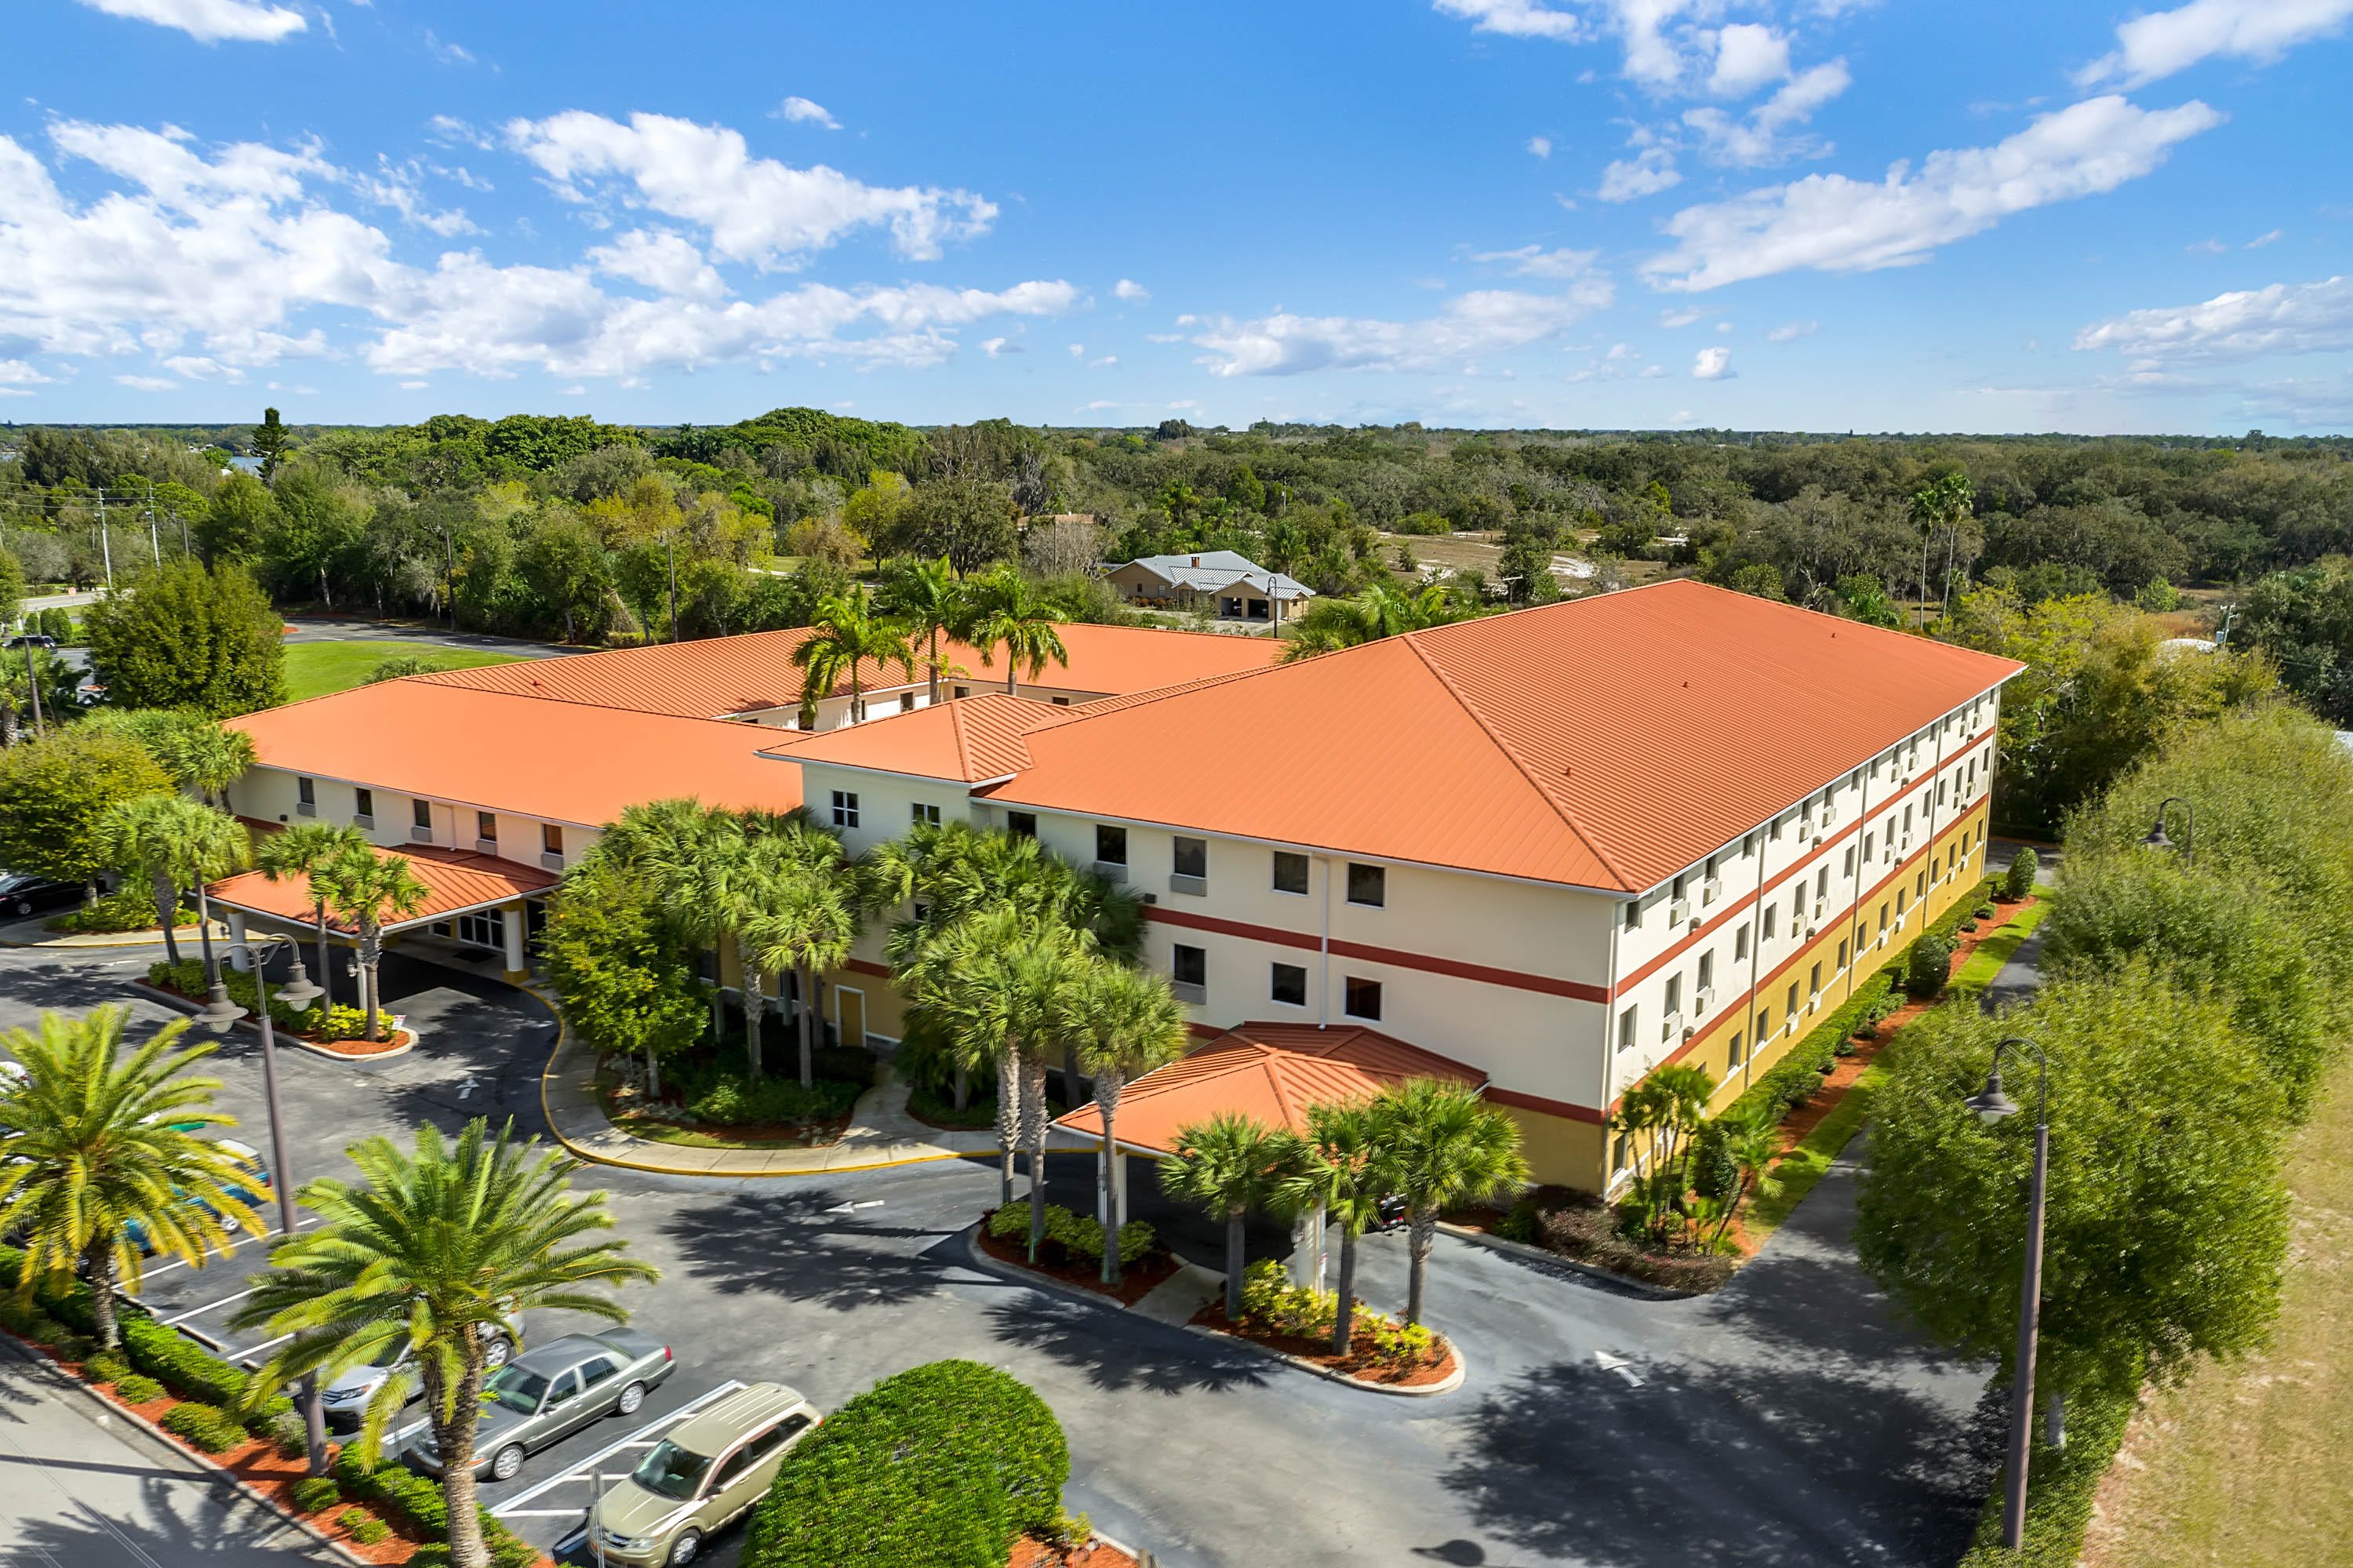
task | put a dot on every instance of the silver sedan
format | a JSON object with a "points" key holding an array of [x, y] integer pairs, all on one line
{"points": [[552, 1390]]}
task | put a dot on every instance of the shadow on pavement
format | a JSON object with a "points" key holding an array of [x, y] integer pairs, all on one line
{"points": [[785, 1244], [1123, 1352]]}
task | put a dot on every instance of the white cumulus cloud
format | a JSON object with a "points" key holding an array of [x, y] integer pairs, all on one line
{"points": [[1485, 322], [1517, 19], [1534, 261], [1833, 223], [1770, 132], [1130, 289], [2247, 324], [803, 110], [1647, 172], [210, 21], [1747, 55], [2163, 42], [1712, 365]]}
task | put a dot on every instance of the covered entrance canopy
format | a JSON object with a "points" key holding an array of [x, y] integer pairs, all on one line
{"points": [[1268, 1072]]}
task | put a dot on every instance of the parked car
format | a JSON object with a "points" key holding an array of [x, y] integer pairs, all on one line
{"points": [[346, 1400], [22, 892], [701, 1476], [33, 640], [553, 1390], [253, 1192]]}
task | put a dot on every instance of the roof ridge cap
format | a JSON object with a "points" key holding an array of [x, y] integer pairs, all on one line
{"points": [[1568, 817]]}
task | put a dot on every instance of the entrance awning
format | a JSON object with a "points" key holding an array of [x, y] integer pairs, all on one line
{"points": [[1268, 1072], [457, 882]]}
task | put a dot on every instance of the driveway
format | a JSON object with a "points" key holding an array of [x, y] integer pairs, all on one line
{"points": [[348, 629], [1786, 1420]]}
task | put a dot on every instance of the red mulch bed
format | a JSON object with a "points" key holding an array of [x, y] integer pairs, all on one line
{"points": [[353, 1048], [1031, 1553], [1433, 1368], [1136, 1279]]}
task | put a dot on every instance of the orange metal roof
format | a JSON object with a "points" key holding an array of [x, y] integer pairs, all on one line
{"points": [[556, 761], [1268, 1072], [1606, 742], [717, 675], [457, 879], [973, 739]]}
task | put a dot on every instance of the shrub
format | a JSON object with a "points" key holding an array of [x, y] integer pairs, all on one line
{"points": [[840, 1064], [1927, 967], [189, 1370], [1519, 1224], [1792, 1078], [131, 909], [730, 1099], [415, 1504], [1271, 1303], [135, 1388], [363, 1526], [106, 1366], [289, 1432], [944, 1465], [1397, 1343], [2018, 882], [202, 1426], [1715, 1174], [1077, 1236], [1985, 911], [317, 1494], [1970, 925], [1843, 1048]]}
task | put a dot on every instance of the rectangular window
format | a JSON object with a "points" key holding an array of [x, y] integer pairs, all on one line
{"points": [[1190, 857], [420, 814], [1772, 920], [1633, 913], [1740, 943], [964, 690], [1790, 1007], [1747, 845], [1290, 985], [845, 807], [1626, 1030], [486, 826], [1821, 884], [306, 790], [551, 838], [922, 816], [1919, 885], [363, 803], [1022, 825], [484, 928], [1188, 966], [1842, 951], [1882, 916], [1111, 844], [1367, 884], [1707, 970], [1814, 982], [1797, 909], [1363, 999], [1764, 1023], [1869, 845], [1847, 869], [1290, 871], [906, 702], [1739, 1050], [1901, 895], [1673, 1001]]}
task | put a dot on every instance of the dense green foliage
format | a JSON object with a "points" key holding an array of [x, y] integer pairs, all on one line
{"points": [[946, 1464], [626, 980], [54, 791], [185, 637], [2304, 620]]}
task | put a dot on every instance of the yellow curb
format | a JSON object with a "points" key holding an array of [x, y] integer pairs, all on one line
{"points": [[65, 943], [562, 1032]]}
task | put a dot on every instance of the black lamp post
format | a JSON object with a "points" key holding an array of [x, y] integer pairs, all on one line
{"points": [[2157, 839], [1992, 1106], [218, 1014]]}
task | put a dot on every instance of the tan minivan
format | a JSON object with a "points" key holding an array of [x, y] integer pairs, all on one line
{"points": [[713, 1467]]}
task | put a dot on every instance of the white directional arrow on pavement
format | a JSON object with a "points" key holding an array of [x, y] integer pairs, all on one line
{"points": [[853, 1208], [467, 1086], [1617, 1364]]}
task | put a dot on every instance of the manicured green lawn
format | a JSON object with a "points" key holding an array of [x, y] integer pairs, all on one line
{"points": [[1810, 1160], [315, 669], [1986, 962]]}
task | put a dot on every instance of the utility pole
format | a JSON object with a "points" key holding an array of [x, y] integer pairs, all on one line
{"points": [[105, 545], [154, 539], [671, 541], [450, 580], [32, 685]]}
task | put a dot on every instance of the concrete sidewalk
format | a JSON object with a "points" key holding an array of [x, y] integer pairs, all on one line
{"points": [[33, 932], [881, 1130]]}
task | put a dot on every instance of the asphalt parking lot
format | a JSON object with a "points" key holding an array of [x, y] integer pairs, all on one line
{"points": [[1785, 1420]]}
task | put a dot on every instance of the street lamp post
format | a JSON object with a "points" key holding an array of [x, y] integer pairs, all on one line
{"points": [[2157, 839], [1992, 1106], [218, 1014]]}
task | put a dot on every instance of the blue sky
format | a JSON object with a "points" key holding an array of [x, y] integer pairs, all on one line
{"points": [[1825, 215]]}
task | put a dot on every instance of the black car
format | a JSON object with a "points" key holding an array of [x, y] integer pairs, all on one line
{"points": [[22, 893], [34, 640]]}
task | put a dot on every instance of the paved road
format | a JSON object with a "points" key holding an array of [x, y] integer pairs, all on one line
{"points": [[82, 1488], [1784, 1421], [341, 629]]}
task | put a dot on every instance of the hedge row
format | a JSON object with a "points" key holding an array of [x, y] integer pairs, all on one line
{"points": [[418, 1507], [2059, 1490]]}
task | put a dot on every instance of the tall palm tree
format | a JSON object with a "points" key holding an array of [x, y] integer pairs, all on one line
{"points": [[1125, 1023], [1010, 611], [298, 851], [437, 1250], [104, 1142], [367, 889], [663, 843], [209, 758], [926, 597], [1441, 1145], [808, 929], [1755, 1147], [1344, 1176], [211, 845], [1230, 1165], [157, 837], [845, 636], [739, 877], [1378, 611]]}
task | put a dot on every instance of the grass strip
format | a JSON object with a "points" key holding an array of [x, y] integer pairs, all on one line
{"points": [[318, 669], [1811, 1160], [1990, 955]]}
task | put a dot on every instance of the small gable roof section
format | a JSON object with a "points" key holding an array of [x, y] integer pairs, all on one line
{"points": [[1608, 742], [974, 740], [1208, 571], [1271, 1073], [455, 880]]}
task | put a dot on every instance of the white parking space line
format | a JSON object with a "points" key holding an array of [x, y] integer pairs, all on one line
{"points": [[200, 1312], [208, 1254], [583, 1470]]}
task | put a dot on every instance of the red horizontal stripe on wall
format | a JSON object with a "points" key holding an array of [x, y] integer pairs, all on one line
{"points": [[1485, 975], [868, 967], [1548, 1108]]}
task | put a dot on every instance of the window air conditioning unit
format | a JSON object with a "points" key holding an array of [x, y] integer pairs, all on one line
{"points": [[551, 860], [1672, 1026], [362, 820], [1111, 873], [1704, 1000], [1199, 886], [485, 846], [420, 835], [306, 808], [1712, 889], [1678, 911], [1188, 991]]}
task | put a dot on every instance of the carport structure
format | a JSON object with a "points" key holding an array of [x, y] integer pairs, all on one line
{"points": [[471, 900], [1271, 1073]]}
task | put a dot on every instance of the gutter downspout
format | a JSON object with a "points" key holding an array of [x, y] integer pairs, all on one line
{"points": [[1855, 894], [1756, 953], [1323, 948]]}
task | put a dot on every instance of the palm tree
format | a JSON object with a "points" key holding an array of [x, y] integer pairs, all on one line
{"points": [[104, 1142], [739, 877], [367, 888], [1754, 1145], [1009, 610], [437, 1248], [1659, 1115], [1441, 1145], [1378, 611], [1343, 1175], [156, 836], [209, 758], [210, 846], [1123, 1022], [809, 930], [1230, 1165], [926, 599], [298, 851], [846, 635]]}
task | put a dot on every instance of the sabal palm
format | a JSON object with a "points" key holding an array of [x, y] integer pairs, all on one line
{"points": [[1123, 1022], [808, 929], [1344, 1175], [205, 845], [926, 597], [1012, 612], [845, 634], [1755, 1147], [1441, 1145], [737, 879], [1378, 611], [104, 1140], [435, 1248], [210, 757], [160, 837], [298, 851], [369, 889], [1229, 1165]]}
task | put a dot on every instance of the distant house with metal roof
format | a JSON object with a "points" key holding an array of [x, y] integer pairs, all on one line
{"points": [[1238, 587]]}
